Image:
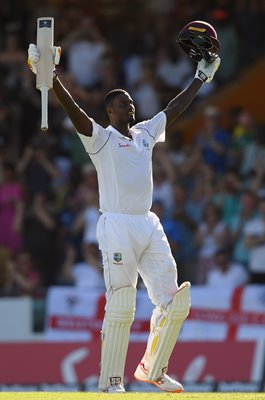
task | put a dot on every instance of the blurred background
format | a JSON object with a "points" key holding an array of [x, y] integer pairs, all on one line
{"points": [[209, 190]]}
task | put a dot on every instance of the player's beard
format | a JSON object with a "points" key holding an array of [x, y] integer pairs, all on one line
{"points": [[131, 119]]}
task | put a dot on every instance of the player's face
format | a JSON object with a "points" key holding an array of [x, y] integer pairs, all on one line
{"points": [[122, 109]]}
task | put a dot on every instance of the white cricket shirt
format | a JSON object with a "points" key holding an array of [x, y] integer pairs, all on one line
{"points": [[124, 165]]}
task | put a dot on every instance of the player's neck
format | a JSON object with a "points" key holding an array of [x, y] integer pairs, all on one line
{"points": [[122, 128]]}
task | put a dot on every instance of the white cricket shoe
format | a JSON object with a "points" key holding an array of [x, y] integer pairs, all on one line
{"points": [[115, 389], [164, 382]]}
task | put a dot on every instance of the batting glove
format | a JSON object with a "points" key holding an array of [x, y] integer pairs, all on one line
{"points": [[34, 56], [205, 71]]}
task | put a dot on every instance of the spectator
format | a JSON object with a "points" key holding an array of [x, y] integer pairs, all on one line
{"points": [[250, 13], [247, 211], [227, 195], [211, 234], [85, 48], [243, 134], [25, 279], [213, 140], [255, 241], [253, 156], [174, 68], [11, 205], [228, 37], [180, 230], [5, 279], [86, 273], [164, 176], [39, 228], [225, 273], [146, 92], [87, 219], [37, 170], [12, 61]]}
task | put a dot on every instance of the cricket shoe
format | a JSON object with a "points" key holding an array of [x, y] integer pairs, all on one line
{"points": [[115, 389], [163, 383]]}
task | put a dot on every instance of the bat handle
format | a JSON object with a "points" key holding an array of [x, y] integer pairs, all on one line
{"points": [[44, 108]]}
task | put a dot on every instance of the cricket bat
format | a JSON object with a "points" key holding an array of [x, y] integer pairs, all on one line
{"points": [[45, 66]]}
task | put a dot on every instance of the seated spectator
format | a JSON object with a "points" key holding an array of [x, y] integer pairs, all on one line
{"points": [[86, 273], [225, 273]]}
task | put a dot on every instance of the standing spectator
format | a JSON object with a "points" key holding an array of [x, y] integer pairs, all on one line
{"points": [[25, 279], [85, 48], [146, 92], [229, 49], [213, 140], [247, 211], [173, 67], [87, 272], [37, 170], [212, 233], [255, 240], [40, 236], [12, 61], [225, 273], [252, 43], [5, 279], [11, 206], [163, 177], [87, 219], [180, 230]]}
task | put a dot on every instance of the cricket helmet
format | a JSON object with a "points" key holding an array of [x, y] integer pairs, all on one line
{"points": [[199, 40]]}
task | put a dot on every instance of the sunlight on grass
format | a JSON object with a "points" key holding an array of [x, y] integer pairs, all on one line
{"points": [[129, 396]]}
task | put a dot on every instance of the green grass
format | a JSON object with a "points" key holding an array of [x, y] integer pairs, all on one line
{"points": [[129, 396]]}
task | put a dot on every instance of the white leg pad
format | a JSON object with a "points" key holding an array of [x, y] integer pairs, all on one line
{"points": [[165, 328], [118, 319]]}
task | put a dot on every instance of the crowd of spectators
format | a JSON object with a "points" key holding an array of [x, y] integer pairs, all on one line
{"points": [[209, 193]]}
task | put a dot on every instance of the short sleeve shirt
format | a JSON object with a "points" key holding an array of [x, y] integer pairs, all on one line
{"points": [[124, 165]]}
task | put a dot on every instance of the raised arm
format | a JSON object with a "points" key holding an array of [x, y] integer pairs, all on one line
{"points": [[79, 118], [204, 74]]}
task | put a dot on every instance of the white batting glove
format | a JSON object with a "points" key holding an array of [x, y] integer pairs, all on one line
{"points": [[34, 56], [205, 71]]}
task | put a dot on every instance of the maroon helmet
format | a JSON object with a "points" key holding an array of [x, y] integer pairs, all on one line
{"points": [[199, 40]]}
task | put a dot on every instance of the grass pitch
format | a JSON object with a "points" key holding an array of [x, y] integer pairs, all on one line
{"points": [[129, 396]]}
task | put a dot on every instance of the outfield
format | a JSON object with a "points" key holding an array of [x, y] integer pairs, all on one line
{"points": [[129, 396]]}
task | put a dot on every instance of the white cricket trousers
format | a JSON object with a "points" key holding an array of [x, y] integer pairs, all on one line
{"points": [[132, 244]]}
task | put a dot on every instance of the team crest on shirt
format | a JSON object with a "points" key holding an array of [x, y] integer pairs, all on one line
{"points": [[117, 257], [145, 143]]}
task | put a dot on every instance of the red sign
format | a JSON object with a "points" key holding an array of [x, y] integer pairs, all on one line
{"points": [[36, 363]]}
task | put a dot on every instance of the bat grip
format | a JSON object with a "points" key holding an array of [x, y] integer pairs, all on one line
{"points": [[44, 107]]}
